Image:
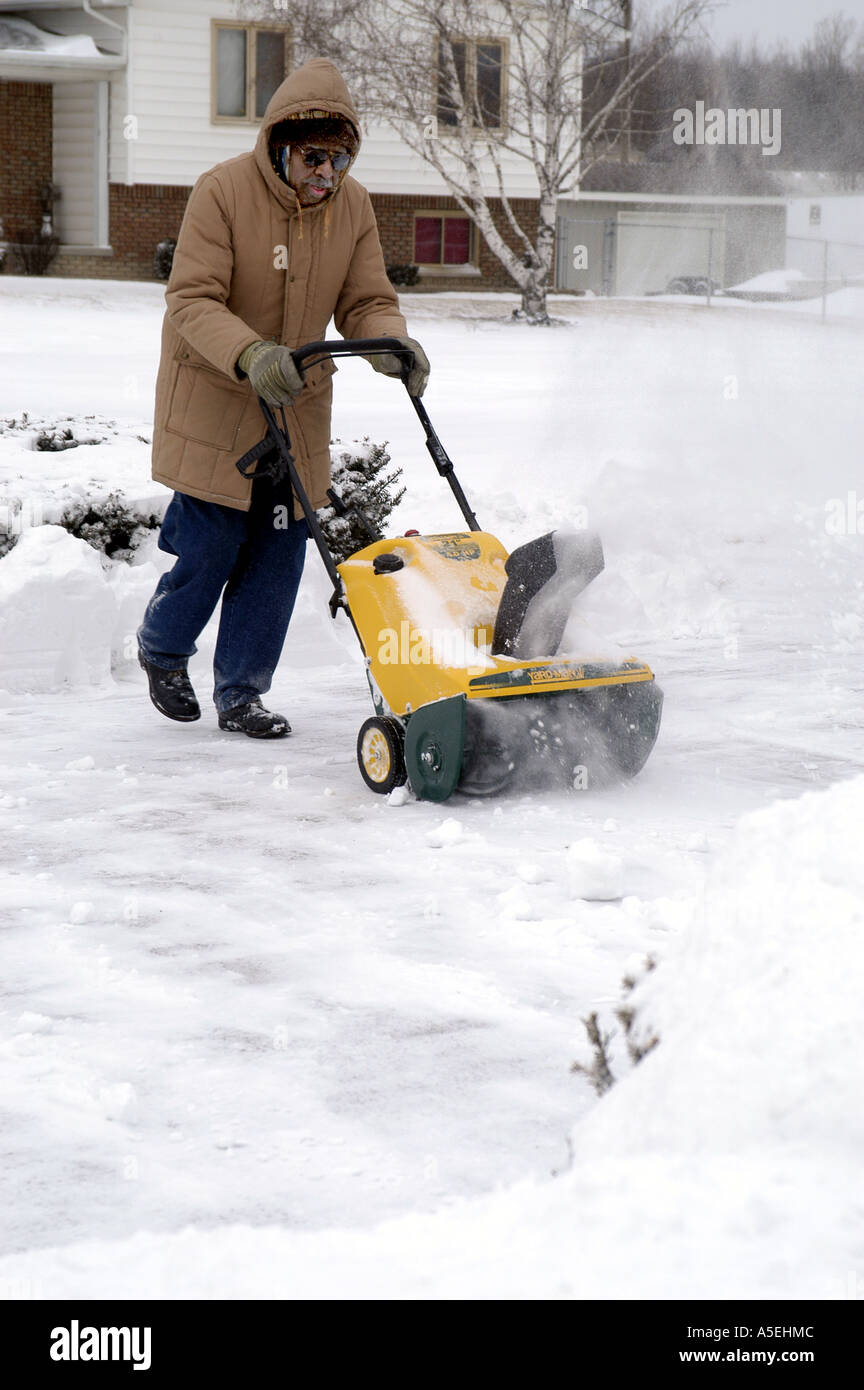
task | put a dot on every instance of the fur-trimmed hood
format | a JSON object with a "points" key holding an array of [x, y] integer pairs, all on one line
{"points": [[315, 88]]}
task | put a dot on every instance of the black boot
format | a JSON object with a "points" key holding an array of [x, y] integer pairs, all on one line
{"points": [[171, 691], [256, 721]]}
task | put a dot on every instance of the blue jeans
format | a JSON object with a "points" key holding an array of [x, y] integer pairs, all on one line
{"points": [[256, 557]]}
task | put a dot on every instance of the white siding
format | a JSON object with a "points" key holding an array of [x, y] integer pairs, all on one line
{"points": [[169, 80], [386, 165], [168, 75], [74, 158]]}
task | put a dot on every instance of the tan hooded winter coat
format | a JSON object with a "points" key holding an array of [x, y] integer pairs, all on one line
{"points": [[248, 265]]}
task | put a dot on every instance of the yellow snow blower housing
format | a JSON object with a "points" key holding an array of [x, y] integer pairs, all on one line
{"points": [[426, 609], [426, 606], [463, 646]]}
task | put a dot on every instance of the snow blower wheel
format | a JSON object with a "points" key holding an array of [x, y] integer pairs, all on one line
{"points": [[380, 755]]}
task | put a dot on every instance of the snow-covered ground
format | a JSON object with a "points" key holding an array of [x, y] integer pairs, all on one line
{"points": [[250, 1012]]}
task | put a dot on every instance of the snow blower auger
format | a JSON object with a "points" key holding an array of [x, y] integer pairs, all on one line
{"points": [[461, 642]]}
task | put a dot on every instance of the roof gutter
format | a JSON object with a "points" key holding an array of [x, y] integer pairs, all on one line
{"points": [[87, 8], [129, 128]]}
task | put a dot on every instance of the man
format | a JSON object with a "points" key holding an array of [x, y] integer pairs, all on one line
{"points": [[273, 243]]}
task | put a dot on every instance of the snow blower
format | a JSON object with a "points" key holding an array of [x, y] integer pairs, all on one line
{"points": [[461, 641]]}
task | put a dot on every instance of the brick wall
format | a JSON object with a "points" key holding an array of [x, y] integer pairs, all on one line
{"points": [[96, 267], [395, 214], [139, 217], [25, 154]]}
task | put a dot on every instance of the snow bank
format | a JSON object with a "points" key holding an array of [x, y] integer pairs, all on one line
{"points": [[56, 613], [759, 1004], [41, 484], [39, 488], [68, 615], [771, 282], [740, 1135]]}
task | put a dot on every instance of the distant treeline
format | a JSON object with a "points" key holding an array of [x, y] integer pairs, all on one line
{"points": [[818, 89]]}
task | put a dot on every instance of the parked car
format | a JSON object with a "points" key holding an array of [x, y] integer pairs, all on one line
{"points": [[692, 284]]}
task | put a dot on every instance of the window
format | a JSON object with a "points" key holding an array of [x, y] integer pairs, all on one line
{"points": [[815, 215], [480, 69], [248, 63], [443, 239]]}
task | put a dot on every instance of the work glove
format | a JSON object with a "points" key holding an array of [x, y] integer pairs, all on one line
{"points": [[271, 370], [391, 365]]}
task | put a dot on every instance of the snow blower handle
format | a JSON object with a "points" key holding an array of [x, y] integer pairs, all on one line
{"points": [[354, 347], [363, 347]]}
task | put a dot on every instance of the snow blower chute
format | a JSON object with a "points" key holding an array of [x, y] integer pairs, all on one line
{"points": [[461, 642]]}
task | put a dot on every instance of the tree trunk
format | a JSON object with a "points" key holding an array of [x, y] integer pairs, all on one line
{"points": [[534, 281], [533, 306]]}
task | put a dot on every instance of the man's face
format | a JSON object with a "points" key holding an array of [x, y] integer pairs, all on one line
{"points": [[313, 184]]}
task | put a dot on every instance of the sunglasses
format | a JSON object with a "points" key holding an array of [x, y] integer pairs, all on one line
{"points": [[313, 157]]}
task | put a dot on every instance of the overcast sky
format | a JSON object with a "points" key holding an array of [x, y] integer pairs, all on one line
{"points": [[770, 20]]}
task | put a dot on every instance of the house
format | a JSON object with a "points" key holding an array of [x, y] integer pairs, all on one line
{"points": [[111, 109]]}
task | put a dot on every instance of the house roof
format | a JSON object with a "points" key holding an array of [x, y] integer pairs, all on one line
{"points": [[27, 5], [16, 66]]}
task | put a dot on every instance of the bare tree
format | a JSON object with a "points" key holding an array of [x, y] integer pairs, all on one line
{"points": [[831, 44], [475, 86]]}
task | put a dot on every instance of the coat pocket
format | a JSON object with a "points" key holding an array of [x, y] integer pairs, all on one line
{"points": [[319, 373], [205, 407]]}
